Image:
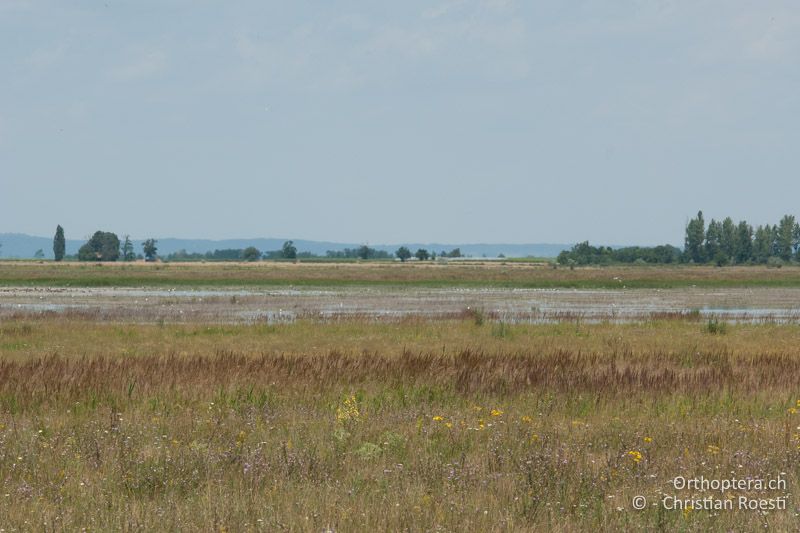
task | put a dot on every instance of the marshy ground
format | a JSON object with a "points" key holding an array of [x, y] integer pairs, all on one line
{"points": [[128, 415]]}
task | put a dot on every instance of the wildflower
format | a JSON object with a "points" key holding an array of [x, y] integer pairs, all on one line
{"points": [[713, 450], [527, 419], [648, 440], [635, 456], [438, 418], [798, 403], [348, 411], [448, 425], [791, 411], [496, 412]]}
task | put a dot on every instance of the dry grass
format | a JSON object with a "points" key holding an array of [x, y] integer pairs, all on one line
{"points": [[503, 274], [415, 425]]}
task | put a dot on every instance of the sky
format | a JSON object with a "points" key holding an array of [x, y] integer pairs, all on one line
{"points": [[383, 122]]}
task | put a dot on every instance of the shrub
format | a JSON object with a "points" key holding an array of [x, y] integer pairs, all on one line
{"points": [[716, 327]]}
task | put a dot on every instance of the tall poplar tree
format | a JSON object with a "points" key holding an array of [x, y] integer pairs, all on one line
{"points": [[727, 241], [695, 235], [59, 244], [128, 254], [744, 242], [713, 242], [785, 239]]}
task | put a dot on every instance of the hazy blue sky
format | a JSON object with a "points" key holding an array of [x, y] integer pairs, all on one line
{"points": [[454, 121]]}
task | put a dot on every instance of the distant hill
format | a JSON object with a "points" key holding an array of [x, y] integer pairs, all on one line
{"points": [[18, 245]]}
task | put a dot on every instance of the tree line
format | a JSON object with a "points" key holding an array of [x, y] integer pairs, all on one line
{"points": [[106, 246], [729, 243], [289, 252], [720, 243]]}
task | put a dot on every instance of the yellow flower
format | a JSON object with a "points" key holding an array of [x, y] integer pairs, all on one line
{"points": [[648, 439], [798, 403], [437, 418], [448, 425], [348, 411], [791, 411], [496, 412], [713, 449], [635, 456], [527, 419]]}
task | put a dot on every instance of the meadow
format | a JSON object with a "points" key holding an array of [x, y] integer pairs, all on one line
{"points": [[416, 424], [457, 422], [509, 274]]}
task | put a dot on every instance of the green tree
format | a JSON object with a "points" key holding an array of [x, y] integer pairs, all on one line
{"points": [[128, 254], [785, 243], [713, 242], [797, 240], [727, 239], [59, 243], [251, 254], [744, 242], [762, 244], [773, 235], [289, 250], [102, 246], [150, 249], [422, 254], [364, 252], [403, 254], [695, 234]]}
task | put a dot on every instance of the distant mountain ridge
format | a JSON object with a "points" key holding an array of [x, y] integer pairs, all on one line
{"points": [[22, 246]]}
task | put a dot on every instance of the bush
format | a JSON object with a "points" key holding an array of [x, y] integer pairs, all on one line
{"points": [[477, 315], [716, 327]]}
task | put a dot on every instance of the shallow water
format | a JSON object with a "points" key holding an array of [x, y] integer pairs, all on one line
{"points": [[511, 305]]}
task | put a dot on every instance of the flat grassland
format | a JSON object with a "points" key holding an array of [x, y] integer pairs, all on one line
{"points": [[453, 274], [414, 423]]}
